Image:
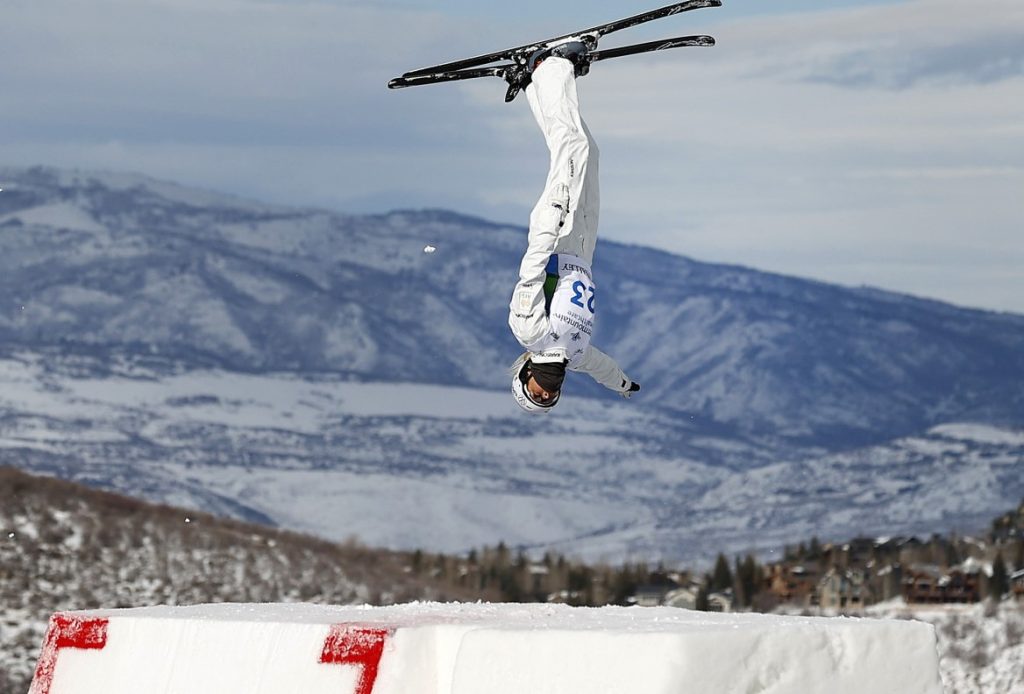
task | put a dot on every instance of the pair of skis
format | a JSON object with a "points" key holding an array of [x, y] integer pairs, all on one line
{"points": [[517, 72]]}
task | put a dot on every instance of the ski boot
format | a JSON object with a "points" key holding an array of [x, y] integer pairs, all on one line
{"points": [[576, 52]]}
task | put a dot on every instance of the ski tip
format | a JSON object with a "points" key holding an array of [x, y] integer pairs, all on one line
{"points": [[397, 83]]}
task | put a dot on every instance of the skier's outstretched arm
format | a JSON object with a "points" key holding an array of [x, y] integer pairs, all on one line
{"points": [[605, 371], [555, 104], [527, 316]]}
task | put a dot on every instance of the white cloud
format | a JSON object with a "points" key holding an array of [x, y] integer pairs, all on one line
{"points": [[733, 155], [881, 145], [917, 42]]}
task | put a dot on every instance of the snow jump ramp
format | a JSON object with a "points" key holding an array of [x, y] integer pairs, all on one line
{"points": [[478, 649]]}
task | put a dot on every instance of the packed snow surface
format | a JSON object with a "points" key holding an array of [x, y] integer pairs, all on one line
{"points": [[492, 649]]}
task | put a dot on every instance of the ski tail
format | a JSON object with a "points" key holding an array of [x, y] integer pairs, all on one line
{"points": [[664, 44], [513, 74], [448, 76], [473, 62]]}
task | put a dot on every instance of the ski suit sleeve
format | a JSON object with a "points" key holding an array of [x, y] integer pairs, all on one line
{"points": [[603, 369], [555, 105]]}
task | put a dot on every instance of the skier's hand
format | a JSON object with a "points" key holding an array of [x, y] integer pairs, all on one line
{"points": [[633, 388]]}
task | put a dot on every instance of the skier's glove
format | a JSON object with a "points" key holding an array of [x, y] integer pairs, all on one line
{"points": [[633, 388]]}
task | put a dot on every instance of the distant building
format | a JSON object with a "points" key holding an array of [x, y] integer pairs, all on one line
{"points": [[930, 585], [657, 591], [649, 596], [857, 552], [1017, 585], [904, 550], [720, 602], [684, 598], [888, 582], [793, 584], [921, 585], [539, 574], [1009, 526], [844, 590]]}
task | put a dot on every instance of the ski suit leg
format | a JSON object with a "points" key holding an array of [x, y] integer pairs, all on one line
{"points": [[571, 189], [566, 216]]}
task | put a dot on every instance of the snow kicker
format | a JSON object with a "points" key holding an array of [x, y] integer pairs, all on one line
{"points": [[428, 648]]}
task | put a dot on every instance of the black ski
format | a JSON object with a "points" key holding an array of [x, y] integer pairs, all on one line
{"points": [[664, 44], [450, 76], [588, 36], [515, 74]]}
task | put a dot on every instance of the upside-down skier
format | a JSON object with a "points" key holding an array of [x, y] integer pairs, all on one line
{"points": [[552, 309]]}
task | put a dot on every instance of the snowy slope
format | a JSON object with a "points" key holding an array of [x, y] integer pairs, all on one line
{"points": [[66, 547], [93, 261], [422, 466], [50, 540], [981, 647]]}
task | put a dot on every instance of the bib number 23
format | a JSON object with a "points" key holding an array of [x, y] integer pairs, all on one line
{"points": [[580, 291]]}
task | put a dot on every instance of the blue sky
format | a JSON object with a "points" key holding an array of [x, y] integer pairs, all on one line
{"points": [[858, 143]]}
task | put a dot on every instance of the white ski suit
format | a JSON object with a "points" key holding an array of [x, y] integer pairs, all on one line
{"points": [[558, 325]]}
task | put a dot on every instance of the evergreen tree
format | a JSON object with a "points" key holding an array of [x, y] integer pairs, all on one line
{"points": [[748, 580], [625, 582], [702, 597], [953, 557], [502, 559], [739, 585], [721, 578], [999, 584]]}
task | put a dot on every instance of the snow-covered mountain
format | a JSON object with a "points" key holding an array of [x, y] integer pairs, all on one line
{"points": [[90, 262], [321, 372], [421, 466]]}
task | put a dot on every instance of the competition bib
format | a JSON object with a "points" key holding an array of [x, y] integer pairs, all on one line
{"points": [[571, 308]]}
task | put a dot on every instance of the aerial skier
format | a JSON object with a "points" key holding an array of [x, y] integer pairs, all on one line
{"points": [[553, 305]]}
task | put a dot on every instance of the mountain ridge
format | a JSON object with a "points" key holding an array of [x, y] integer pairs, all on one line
{"points": [[255, 287], [321, 372]]}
